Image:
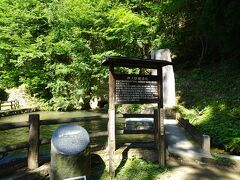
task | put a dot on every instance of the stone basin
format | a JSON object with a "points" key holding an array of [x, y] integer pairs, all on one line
{"points": [[138, 124]]}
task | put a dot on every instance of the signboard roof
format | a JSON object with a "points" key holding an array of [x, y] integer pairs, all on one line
{"points": [[134, 62]]}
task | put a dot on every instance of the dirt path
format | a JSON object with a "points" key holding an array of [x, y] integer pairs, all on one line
{"points": [[195, 170]]}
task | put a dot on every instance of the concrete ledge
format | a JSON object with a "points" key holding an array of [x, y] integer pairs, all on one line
{"points": [[192, 130], [201, 139], [188, 154], [215, 159], [17, 111], [232, 157]]}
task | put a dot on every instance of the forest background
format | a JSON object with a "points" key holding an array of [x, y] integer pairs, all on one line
{"points": [[55, 49]]}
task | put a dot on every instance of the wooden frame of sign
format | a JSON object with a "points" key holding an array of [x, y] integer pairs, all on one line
{"points": [[134, 89]]}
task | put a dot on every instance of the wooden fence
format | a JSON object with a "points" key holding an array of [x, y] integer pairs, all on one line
{"points": [[34, 140], [12, 104]]}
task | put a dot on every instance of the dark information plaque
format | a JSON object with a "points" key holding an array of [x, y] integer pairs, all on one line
{"points": [[133, 89]]}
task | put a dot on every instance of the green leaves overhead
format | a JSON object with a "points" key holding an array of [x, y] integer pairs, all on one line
{"points": [[56, 47], [53, 45]]}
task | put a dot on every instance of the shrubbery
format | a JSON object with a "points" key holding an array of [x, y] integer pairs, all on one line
{"points": [[210, 101], [56, 47]]}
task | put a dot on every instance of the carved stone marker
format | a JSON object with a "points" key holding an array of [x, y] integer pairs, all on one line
{"points": [[169, 95], [138, 124], [206, 145], [70, 154]]}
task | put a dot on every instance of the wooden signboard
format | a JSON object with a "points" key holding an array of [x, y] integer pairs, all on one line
{"points": [[136, 89], [133, 89]]}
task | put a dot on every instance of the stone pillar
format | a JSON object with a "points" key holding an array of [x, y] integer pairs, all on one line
{"points": [[70, 153], [206, 144], [169, 95]]}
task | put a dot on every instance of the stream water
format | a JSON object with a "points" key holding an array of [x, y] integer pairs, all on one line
{"points": [[47, 115], [15, 136], [19, 135]]}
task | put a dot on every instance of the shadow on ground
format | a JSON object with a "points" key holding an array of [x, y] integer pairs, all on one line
{"points": [[97, 167], [184, 170]]}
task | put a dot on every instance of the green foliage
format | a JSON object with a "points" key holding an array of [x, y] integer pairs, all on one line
{"points": [[56, 47], [222, 161], [234, 144], [219, 24], [210, 101], [188, 114], [223, 128], [128, 108]]}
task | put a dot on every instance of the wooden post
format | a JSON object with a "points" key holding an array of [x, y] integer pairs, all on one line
{"points": [[160, 88], [15, 104], [156, 136], [33, 150], [161, 131], [162, 148], [111, 122], [18, 105]]}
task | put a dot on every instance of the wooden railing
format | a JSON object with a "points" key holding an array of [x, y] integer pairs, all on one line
{"points": [[12, 104], [158, 131], [34, 140]]}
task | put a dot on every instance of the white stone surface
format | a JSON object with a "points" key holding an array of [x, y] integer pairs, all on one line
{"points": [[169, 95]]}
